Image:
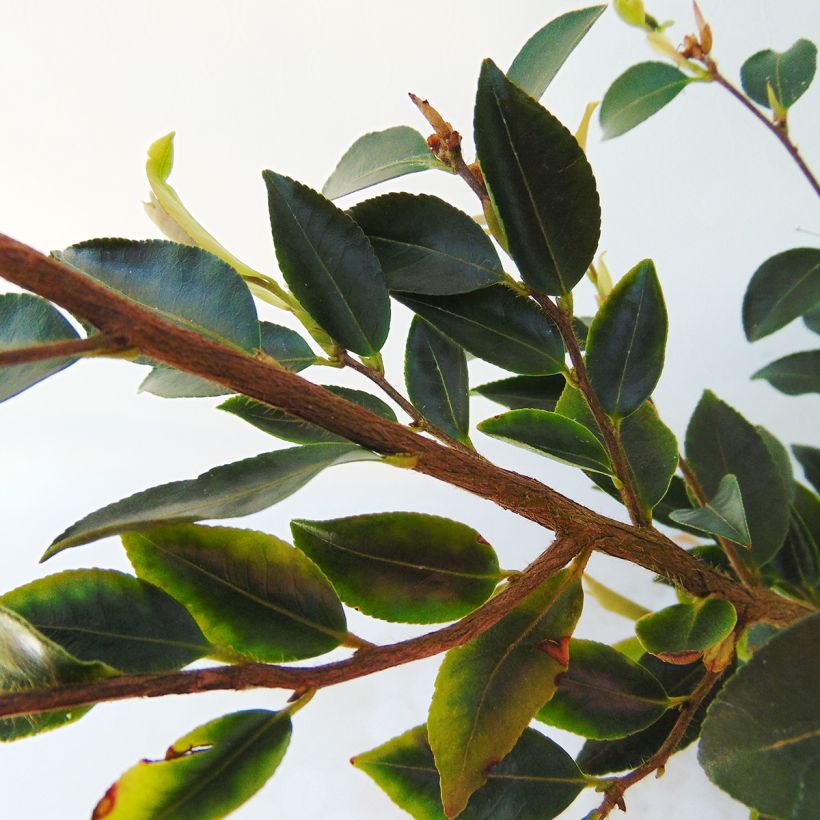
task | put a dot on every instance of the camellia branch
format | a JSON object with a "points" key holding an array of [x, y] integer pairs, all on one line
{"points": [[98, 345]]}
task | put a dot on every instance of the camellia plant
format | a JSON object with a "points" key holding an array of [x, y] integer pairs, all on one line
{"points": [[734, 663]]}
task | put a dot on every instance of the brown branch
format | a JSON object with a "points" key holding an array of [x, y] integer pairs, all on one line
{"points": [[59, 350]]}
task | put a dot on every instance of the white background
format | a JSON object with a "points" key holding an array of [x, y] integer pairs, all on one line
{"points": [[701, 188]]}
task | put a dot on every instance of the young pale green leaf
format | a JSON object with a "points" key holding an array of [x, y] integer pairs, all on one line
{"points": [[379, 156], [540, 181], [27, 320], [287, 427], [229, 491], [766, 720], [637, 94], [798, 562], [627, 342], [784, 287], [723, 516], [603, 694], [435, 370], [794, 375], [206, 774], [535, 66], [613, 601], [402, 566], [720, 441], [811, 319], [425, 245], [329, 265], [496, 325], [537, 779], [789, 74], [488, 690], [809, 458], [552, 434], [246, 590], [519, 392], [102, 615]]}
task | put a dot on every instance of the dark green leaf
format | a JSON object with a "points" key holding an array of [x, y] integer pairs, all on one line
{"points": [[781, 458], [474, 722], [102, 615], [637, 94], [535, 66], [379, 156], [206, 774], [603, 694], [723, 516], [761, 737], [794, 375], [809, 458], [540, 181], [27, 320], [518, 392], [286, 346], [812, 320], [675, 498], [425, 245], [537, 780], [497, 325], [789, 73], [402, 566], [229, 491], [246, 590], [784, 287], [798, 562], [435, 370], [329, 265], [627, 342]]}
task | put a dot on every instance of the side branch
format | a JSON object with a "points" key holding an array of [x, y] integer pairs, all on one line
{"points": [[59, 350]]}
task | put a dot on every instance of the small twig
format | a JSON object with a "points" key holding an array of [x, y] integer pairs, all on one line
{"points": [[99, 345]]}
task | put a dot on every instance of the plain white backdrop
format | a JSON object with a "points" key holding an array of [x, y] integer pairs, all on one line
{"points": [[701, 188]]}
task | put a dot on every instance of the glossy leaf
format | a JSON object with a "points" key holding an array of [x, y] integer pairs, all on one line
{"points": [[627, 342], [809, 458], [761, 737], [379, 156], [794, 375], [206, 774], [246, 590], [425, 245], [518, 392], [329, 265], [723, 516], [784, 287], [286, 346], [789, 73], [637, 94], [535, 66], [497, 325], [781, 458], [537, 780], [402, 566], [552, 434], [27, 320], [474, 722], [102, 615], [229, 491], [675, 498], [540, 181], [603, 694], [811, 319]]}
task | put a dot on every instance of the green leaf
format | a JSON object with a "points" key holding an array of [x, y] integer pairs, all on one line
{"points": [[488, 690], [637, 94], [682, 629], [229, 491], [675, 498], [789, 73], [435, 370], [781, 458], [603, 694], [425, 245], [402, 566], [766, 721], [537, 779], [784, 287], [206, 774], [794, 375], [723, 516], [379, 156], [552, 434], [102, 615], [535, 66], [283, 425], [27, 320], [496, 325], [329, 265], [540, 181], [519, 392], [286, 346], [811, 319], [627, 342], [720, 441], [180, 283], [809, 458], [614, 602], [246, 590]]}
